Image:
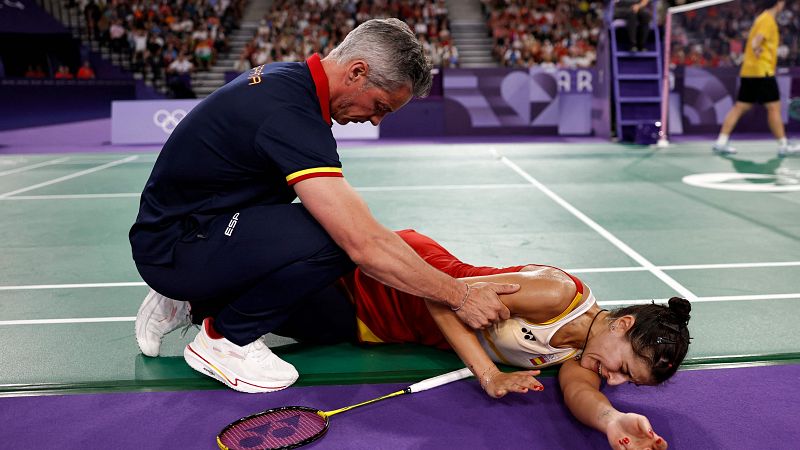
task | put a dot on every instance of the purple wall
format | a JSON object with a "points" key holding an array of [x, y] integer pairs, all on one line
{"points": [[28, 103], [707, 94], [486, 102]]}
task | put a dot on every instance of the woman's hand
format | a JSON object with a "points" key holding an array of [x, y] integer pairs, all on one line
{"points": [[629, 431], [497, 383]]}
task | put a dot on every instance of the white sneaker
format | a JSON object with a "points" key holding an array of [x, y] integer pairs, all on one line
{"points": [[786, 172], [786, 181], [252, 368], [790, 149], [723, 149], [157, 317]]}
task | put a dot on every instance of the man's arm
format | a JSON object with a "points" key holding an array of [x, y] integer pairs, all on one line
{"points": [[384, 256], [581, 389]]}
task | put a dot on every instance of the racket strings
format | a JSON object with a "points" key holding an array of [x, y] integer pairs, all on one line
{"points": [[282, 428]]}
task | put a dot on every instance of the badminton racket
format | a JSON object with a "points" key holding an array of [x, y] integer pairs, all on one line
{"points": [[294, 426]]}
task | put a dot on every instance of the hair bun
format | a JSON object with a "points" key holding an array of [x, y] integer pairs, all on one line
{"points": [[681, 308]]}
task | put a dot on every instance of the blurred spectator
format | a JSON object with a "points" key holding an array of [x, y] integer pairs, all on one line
{"points": [[637, 16], [118, 35], [35, 72], [179, 77], [92, 13], [85, 72], [63, 73]]}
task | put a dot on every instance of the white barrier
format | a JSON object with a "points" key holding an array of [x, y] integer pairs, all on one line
{"points": [[152, 121]]}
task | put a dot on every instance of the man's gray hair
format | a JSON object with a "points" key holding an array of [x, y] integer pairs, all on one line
{"points": [[394, 55]]}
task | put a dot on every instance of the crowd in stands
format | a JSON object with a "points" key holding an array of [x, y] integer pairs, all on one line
{"points": [[164, 39], [294, 29], [545, 33], [715, 36]]}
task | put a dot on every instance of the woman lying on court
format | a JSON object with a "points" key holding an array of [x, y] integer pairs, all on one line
{"points": [[555, 320]]}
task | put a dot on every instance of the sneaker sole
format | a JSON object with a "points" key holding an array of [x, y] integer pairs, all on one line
{"points": [[201, 363]]}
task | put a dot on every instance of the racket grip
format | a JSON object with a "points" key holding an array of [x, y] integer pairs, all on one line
{"points": [[445, 378]]}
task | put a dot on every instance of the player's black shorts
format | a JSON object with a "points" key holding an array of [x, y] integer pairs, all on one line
{"points": [[758, 90]]}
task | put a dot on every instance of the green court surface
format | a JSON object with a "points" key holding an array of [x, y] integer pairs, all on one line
{"points": [[619, 217]]}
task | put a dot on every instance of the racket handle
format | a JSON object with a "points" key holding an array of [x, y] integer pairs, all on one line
{"points": [[445, 378]]}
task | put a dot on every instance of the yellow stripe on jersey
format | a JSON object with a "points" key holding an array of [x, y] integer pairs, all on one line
{"points": [[365, 334], [316, 170], [573, 305], [489, 341]]}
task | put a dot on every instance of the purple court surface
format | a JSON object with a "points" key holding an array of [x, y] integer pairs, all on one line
{"points": [[745, 408]]}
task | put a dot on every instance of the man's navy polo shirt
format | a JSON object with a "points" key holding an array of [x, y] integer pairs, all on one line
{"points": [[244, 145]]}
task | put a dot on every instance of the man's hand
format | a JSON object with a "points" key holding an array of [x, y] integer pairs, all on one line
{"points": [[482, 306], [498, 384], [633, 431]]}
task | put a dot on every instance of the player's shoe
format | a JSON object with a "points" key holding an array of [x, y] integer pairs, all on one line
{"points": [[723, 149], [157, 317], [790, 149], [252, 368], [787, 177]]}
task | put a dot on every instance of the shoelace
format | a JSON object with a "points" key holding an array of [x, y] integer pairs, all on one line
{"points": [[259, 350], [186, 327]]}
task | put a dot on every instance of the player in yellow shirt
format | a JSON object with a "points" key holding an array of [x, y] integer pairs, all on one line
{"points": [[757, 82]]}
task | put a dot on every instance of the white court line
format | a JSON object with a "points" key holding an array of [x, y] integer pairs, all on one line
{"points": [[32, 287], [61, 321], [688, 267], [33, 166], [671, 282], [601, 303], [72, 196], [71, 176]]}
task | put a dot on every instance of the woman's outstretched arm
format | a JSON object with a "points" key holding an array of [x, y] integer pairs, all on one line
{"points": [[581, 389]]}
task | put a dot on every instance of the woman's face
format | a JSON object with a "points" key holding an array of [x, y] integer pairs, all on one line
{"points": [[610, 355]]}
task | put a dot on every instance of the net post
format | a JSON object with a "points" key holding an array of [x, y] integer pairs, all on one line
{"points": [[663, 138]]}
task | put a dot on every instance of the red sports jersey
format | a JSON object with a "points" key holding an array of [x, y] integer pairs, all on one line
{"points": [[386, 314]]}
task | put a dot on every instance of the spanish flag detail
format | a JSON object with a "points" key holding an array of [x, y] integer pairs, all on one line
{"points": [[538, 361], [548, 360], [301, 175]]}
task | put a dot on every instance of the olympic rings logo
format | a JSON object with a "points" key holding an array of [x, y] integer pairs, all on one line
{"points": [[167, 120]]}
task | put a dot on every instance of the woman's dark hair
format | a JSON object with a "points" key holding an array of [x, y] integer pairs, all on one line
{"points": [[659, 335]]}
